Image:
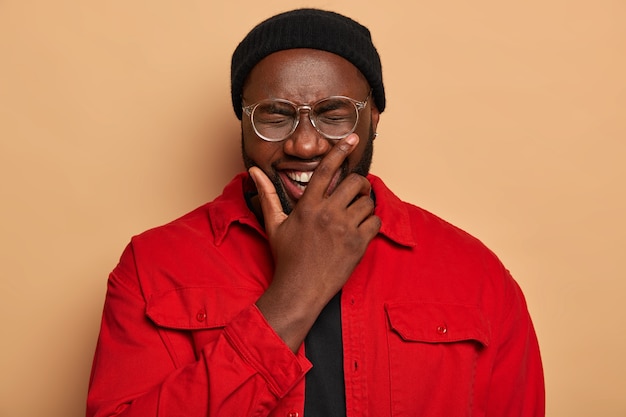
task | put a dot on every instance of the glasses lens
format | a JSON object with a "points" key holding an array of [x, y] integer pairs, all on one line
{"points": [[335, 117], [274, 119]]}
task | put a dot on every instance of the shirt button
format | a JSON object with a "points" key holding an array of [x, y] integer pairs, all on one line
{"points": [[293, 414], [442, 329], [201, 316]]}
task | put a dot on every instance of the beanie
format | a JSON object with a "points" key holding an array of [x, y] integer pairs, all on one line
{"points": [[308, 28]]}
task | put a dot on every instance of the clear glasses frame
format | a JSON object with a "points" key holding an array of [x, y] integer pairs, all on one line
{"points": [[298, 108]]}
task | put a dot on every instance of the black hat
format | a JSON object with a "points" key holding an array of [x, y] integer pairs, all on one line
{"points": [[308, 28]]}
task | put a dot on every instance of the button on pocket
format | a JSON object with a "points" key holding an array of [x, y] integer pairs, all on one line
{"points": [[433, 351], [201, 315]]}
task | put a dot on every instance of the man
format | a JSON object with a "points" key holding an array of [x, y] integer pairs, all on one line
{"points": [[307, 287]]}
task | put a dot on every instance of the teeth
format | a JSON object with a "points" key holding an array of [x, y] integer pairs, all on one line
{"points": [[303, 177]]}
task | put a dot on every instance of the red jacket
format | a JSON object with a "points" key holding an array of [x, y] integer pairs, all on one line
{"points": [[432, 324]]}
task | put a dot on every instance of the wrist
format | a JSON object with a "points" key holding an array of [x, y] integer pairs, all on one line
{"points": [[290, 314]]}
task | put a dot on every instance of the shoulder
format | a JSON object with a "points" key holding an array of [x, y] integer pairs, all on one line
{"points": [[423, 228], [447, 261], [193, 225], [201, 224]]}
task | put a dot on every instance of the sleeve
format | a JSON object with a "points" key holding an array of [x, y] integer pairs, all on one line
{"points": [[134, 374], [517, 384]]}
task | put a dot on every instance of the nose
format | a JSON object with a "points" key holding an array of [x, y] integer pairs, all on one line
{"points": [[306, 142]]}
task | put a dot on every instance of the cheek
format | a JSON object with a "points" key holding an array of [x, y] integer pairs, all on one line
{"points": [[247, 130], [260, 152], [364, 132], [249, 140], [365, 122], [355, 157]]}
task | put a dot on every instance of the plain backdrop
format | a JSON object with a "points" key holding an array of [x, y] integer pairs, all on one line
{"points": [[505, 118]]}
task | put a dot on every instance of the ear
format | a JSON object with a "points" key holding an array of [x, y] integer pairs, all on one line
{"points": [[374, 115]]}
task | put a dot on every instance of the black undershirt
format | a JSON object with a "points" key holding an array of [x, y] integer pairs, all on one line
{"points": [[324, 385]]}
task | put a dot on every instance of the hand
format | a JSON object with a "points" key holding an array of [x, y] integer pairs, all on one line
{"points": [[317, 246]]}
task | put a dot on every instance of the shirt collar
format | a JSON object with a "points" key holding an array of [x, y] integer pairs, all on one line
{"points": [[393, 212], [231, 207]]}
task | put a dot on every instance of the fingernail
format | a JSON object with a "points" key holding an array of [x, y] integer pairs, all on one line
{"points": [[252, 174], [352, 139]]}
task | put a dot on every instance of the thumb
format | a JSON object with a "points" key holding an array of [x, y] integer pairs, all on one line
{"points": [[270, 203]]}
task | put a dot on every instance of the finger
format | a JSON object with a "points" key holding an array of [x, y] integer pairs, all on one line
{"points": [[370, 227], [270, 202], [361, 209], [352, 188], [326, 170]]}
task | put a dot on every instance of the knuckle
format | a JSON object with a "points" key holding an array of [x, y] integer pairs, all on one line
{"points": [[374, 226], [377, 222], [352, 179], [342, 148], [358, 180], [355, 244], [325, 219]]}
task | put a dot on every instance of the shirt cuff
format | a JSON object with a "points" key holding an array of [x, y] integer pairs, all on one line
{"points": [[258, 344]]}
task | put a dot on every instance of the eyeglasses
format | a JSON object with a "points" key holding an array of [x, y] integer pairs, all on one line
{"points": [[333, 117]]}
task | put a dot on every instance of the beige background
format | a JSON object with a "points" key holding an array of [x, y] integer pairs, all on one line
{"points": [[507, 120]]}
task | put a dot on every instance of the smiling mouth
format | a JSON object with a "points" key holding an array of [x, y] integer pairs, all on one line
{"points": [[300, 178]]}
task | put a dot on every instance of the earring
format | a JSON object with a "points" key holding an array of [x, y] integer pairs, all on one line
{"points": [[375, 135]]}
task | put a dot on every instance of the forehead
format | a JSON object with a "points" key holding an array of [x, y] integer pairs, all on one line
{"points": [[303, 75]]}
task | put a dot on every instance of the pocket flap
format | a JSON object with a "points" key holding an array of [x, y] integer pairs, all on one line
{"points": [[438, 322], [198, 307]]}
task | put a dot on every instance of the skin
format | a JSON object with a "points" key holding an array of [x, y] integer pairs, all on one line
{"points": [[330, 223]]}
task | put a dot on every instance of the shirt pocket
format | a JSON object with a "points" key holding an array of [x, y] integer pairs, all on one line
{"points": [[189, 318], [433, 354]]}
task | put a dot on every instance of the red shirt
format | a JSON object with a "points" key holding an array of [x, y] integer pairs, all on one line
{"points": [[432, 324]]}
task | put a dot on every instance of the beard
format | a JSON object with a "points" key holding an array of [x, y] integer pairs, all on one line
{"points": [[361, 168]]}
